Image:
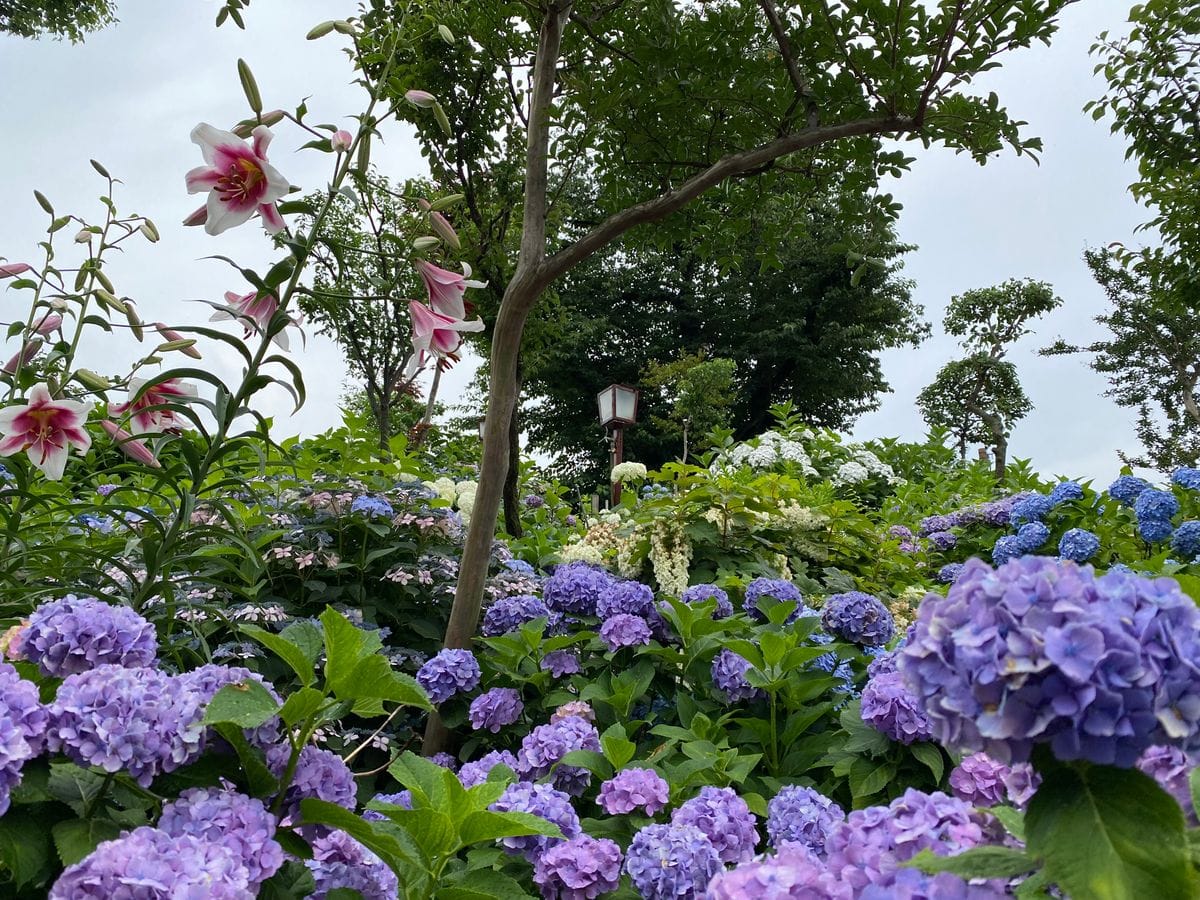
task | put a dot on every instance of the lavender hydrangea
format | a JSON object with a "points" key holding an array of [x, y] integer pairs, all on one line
{"points": [[496, 708], [535, 501], [913, 884], [1043, 651], [561, 663], [1171, 768], [78, 634], [577, 588], [545, 802], [858, 618], [882, 664], [632, 789], [476, 772], [341, 862], [698, 593], [979, 780], [1065, 492], [776, 588], [1032, 536], [1186, 540], [137, 720], [240, 823], [794, 872], [624, 630], [725, 819], [579, 869], [1127, 488], [943, 540], [149, 864], [319, 774], [1030, 508], [445, 760], [949, 573], [1078, 545], [890, 707], [23, 722], [900, 532], [628, 597], [510, 613], [206, 680], [729, 675], [671, 862], [448, 673], [403, 799], [1187, 478], [372, 506], [801, 815], [932, 524], [545, 746]]}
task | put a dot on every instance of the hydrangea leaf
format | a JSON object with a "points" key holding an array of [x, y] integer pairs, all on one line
{"points": [[292, 654], [1109, 833], [247, 704], [483, 885], [76, 838], [978, 862], [25, 849], [485, 825], [931, 756], [291, 882]]}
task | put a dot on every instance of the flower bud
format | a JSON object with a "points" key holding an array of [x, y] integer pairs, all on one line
{"points": [[135, 323], [92, 380], [83, 236], [439, 116], [149, 231], [424, 204], [341, 26], [446, 202], [24, 356], [444, 229], [421, 99], [319, 31], [11, 270], [108, 300], [130, 446], [243, 130], [199, 217], [48, 323], [446, 33], [249, 86], [425, 243], [341, 141], [274, 117], [176, 341]]}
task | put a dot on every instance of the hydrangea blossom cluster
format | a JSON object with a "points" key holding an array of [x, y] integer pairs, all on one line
{"points": [[1187, 478], [1154, 509], [23, 722], [949, 573], [698, 593], [725, 819], [801, 815], [858, 618], [206, 680], [1008, 547], [476, 772], [1078, 545], [579, 708], [983, 781], [1042, 651], [78, 634], [628, 597], [319, 774], [403, 799], [546, 745], [1127, 489], [1030, 508], [891, 708], [792, 872], [632, 789], [1032, 536], [624, 630], [240, 823], [1186, 540], [510, 613], [1065, 492], [577, 588], [372, 506], [339, 861], [116, 718], [729, 675], [494, 709], [448, 673], [579, 869], [776, 588], [539, 800], [671, 862], [561, 663], [1171, 768], [913, 884], [943, 540], [148, 862]]}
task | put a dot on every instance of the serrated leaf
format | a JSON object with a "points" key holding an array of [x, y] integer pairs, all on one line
{"points": [[291, 653], [978, 862], [76, 838], [246, 704], [930, 755]]}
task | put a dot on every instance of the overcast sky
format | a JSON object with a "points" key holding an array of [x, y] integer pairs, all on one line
{"points": [[131, 94]]}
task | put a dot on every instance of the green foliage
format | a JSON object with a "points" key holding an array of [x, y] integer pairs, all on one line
{"points": [[71, 19], [698, 392]]}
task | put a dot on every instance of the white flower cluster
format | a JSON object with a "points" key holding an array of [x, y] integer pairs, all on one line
{"points": [[460, 495], [768, 449], [444, 488], [578, 551], [801, 518], [628, 471], [862, 465], [671, 556], [599, 540]]}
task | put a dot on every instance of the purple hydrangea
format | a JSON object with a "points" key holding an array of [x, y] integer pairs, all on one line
{"points": [[445, 760], [858, 618], [632, 789], [801, 815], [630, 597], [890, 707], [979, 780], [1032, 536], [1186, 540], [535, 501], [545, 746], [776, 588], [913, 884], [1187, 478], [561, 663], [1171, 768], [1127, 489], [319, 774], [671, 862], [577, 588], [476, 772], [341, 862], [496, 708], [949, 573], [23, 722], [448, 673], [240, 823], [900, 532], [510, 613], [729, 675], [943, 540], [794, 872], [624, 630], [932, 524], [698, 593], [1078, 545], [403, 799], [1021, 783], [999, 512], [1066, 491], [1030, 508], [579, 869], [78, 634], [149, 864], [725, 819], [206, 680], [1155, 505], [372, 506], [882, 664], [909, 547], [1042, 651], [545, 802], [137, 720]]}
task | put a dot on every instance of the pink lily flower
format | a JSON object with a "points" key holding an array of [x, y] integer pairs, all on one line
{"points": [[48, 323], [446, 289], [259, 309], [239, 180], [45, 429], [434, 333], [130, 446], [145, 420], [11, 270]]}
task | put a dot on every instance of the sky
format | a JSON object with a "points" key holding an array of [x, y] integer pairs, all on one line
{"points": [[131, 94]]}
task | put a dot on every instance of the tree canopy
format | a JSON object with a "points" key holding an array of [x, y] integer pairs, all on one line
{"points": [[71, 19]]}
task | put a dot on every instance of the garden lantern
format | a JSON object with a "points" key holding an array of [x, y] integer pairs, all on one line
{"points": [[618, 407], [482, 427]]}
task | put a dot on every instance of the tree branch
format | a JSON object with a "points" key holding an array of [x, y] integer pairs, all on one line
{"points": [[803, 88]]}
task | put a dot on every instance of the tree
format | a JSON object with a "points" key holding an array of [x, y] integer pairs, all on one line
{"points": [[665, 101], [979, 398], [697, 392], [71, 19], [1152, 355]]}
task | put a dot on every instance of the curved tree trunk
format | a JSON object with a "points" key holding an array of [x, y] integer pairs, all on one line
{"points": [[512, 482]]}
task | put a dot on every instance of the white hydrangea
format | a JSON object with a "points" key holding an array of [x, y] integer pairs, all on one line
{"points": [[466, 487], [851, 473], [581, 552], [444, 487], [794, 452], [801, 518], [762, 457], [628, 471]]}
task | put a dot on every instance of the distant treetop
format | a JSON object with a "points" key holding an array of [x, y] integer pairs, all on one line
{"points": [[71, 19]]}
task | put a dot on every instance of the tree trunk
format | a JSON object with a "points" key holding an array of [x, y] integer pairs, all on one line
{"points": [[1000, 448], [512, 482], [379, 415]]}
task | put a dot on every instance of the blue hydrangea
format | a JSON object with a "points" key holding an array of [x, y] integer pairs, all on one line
{"points": [[1127, 489], [372, 506], [1155, 505], [494, 709], [519, 566], [913, 884], [577, 588], [1154, 531], [801, 815], [671, 862], [628, 597], [402, 799], [221, 816], [943, 540], [1065, 491], [725, 819], [624, 630], [510, 613], [698, 593], [858, 618], [1007, 547], [448, 673], [729, 675], [1186, 539], [78, 634], [1030, 508], [1078, 545], [776, 588], [23, 722], [545, 802], [949, 573], [931, 525], [1032, 536], [341, 862], [1041, 651], [561, 663], [1187, 478]]}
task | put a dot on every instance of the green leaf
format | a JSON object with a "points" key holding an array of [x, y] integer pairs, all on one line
{"points": [[386, 846], [25, 847], [76, 838], [931, 756], [291, 653], [247, 704], [488, 826], [867, 778], [373, 679], [307, 637], [1109, 834], [1012, 820], [300, 705], [978, 862], [594, 762], [259, 779], [292, 882], [483, 884]]}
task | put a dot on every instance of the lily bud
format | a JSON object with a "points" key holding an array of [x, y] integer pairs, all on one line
{"points": [[199, 217], [421, 99], [48, 323], [424, 204], [92, 380], [11, 270], [130, 446], [446, 202], [274, 117], [439, 116], [135, 323], [444, 229], [319, 31], [149, 231], [109, 300], [24, 356], [425, 243], [446, 33], [341, 141], [83, 236], [176, 341]]}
